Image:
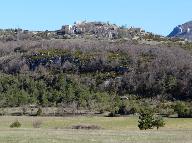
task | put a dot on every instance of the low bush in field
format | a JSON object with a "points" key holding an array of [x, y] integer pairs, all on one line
{"points": [[15, 124]]}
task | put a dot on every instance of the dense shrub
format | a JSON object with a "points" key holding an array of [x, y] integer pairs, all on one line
{"points": [[123, 110], [130, 107], [183, 110], [39, 112], [165, 109]]}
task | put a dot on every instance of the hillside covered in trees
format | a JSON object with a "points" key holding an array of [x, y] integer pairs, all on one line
{"points": [[93, 65]]}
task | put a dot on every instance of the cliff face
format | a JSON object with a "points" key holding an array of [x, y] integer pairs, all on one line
{"points": [[183, 31]]}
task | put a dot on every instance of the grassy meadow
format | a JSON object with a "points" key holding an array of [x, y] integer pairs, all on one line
{"points": [[113, 130]]}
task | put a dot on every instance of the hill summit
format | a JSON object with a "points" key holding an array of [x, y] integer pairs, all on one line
{"points": [[183, 31]]}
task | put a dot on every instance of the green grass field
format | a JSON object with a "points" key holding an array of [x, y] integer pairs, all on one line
{"points": [[114, 130]]}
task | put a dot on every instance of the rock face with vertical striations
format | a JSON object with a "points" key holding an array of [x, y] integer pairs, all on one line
{"points": [[183, 31]]}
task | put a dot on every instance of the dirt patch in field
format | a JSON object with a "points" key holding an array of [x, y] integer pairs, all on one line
{"points": [[86, 127]]}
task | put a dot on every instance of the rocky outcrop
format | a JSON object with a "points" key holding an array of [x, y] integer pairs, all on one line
{"points": [[98, 30], [88, 30], [183, 31], [70, 63]]}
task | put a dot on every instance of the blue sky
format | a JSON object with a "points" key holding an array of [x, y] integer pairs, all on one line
{"points": [[157, 16]]}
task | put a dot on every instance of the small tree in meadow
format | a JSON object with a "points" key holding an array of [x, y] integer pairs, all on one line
{"points": [[146, 119]]}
